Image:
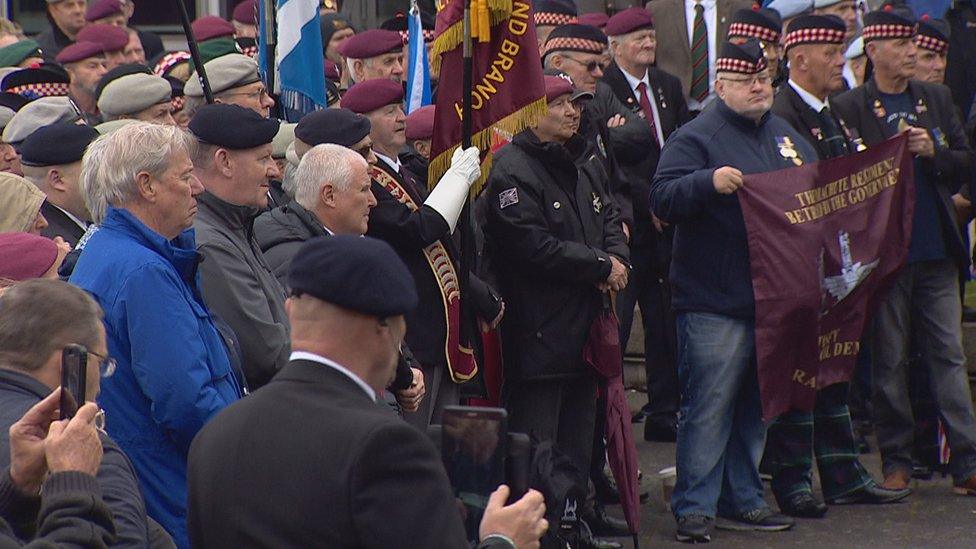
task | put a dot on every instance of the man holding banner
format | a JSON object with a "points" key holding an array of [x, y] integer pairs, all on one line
{"points": [[720, 431], [924, 303]]}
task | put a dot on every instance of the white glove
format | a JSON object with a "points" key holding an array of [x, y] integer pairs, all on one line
{"points": [[451, 192]]}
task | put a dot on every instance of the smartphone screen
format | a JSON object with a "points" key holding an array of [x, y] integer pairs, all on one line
{"points": [[473, 448], [74, 365]]}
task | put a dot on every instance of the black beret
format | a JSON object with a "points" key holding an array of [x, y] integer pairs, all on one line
{"points": [[12, 101], [933, 34], [744, 58], [118, 72], [554, 12], [48, 80], [232, 127], [358, 273], [761, 23], [815, 29], [338, 126], [888, 23], [57, 144], [576, 37]]}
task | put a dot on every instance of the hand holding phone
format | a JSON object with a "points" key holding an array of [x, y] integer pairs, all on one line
{"points": [[74, 371]]}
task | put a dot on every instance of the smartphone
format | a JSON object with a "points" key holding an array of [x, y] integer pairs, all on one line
{"points": [[473, 446], [74, 367]]}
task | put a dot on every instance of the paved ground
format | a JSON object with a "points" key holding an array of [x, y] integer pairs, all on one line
{"points": [[931, 517]]}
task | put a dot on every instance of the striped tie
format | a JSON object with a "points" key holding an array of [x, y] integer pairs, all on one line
{"points": [[699, 55]]}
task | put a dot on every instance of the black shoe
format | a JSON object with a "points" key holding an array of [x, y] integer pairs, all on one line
{"points": [[660, 431], [694, 529], [803, 505], [638, 417], [872, 494], [602, 524], [588, 541], [606, 489], [763, 519]]}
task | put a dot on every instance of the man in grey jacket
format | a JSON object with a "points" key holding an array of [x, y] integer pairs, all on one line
{"points": [[234, 164]]}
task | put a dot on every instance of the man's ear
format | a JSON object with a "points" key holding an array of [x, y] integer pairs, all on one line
{"points": [[358, 70], [145, 187], [328, 195], [223, 162], [54, 180]]}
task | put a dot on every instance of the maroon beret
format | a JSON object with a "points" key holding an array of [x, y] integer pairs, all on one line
{"points": [[332, 71], [79, 51], [420, 123], [373, 94], [596, 19], [628, 21], [102, 8], [246, 12], [110, 37], [24, 256], [211, 26], [371, 43], [556, 87]]}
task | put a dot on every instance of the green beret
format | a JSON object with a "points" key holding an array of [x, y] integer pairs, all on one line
{"points": [[134, 93], [214, 48], [16, 53], [228, 71]]}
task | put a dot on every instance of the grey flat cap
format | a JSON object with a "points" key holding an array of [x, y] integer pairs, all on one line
{"points": [[112, 125], [225, 72], [40, 112], [134, 93]]}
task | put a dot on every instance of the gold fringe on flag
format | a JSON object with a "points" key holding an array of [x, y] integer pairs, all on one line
{"points": [[453, 36], [514, 123]]}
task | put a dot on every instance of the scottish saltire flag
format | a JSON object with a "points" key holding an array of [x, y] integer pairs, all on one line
{"points": [[299, 64], [418, 71]]}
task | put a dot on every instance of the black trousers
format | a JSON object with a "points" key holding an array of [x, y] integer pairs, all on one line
{"points": [[562, 411]]}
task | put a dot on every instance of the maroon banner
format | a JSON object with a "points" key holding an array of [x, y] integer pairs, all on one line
{"points": [[507, 90], [825, 241]]}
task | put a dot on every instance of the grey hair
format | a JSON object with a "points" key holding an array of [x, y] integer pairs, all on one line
{"points": [[111, 162], [288, 183], [324, 163]]}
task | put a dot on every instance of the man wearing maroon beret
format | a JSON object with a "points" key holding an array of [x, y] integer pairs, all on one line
{"points": [[655, 96], [245, 19], [419, 132], [375, 53], [118, 13], [419, 226], [85, 63], [113, 40], [66, 18]]}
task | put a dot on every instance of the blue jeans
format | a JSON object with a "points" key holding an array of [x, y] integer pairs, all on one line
{"points": [[720, 429]]}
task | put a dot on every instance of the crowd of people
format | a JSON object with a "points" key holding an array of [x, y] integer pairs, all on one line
{"points": [[272, 311]]}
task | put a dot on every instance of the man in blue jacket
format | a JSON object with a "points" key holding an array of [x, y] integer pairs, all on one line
{"points": [[720, 431], [173, 372]]}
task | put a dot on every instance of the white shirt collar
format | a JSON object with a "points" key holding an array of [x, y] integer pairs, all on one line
{"points": [[312, 357], [391, 162], [807, 97], [634, 81]]}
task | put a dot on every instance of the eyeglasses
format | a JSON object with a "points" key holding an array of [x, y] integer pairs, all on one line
{"points": [[259, 93], [592, 66], [758, 79], [364, 151], [106, 364]]}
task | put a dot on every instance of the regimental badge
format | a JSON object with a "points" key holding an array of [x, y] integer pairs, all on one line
{"points": [[630, 100], [660, 93], [788, 150], [507, 198], [641, 114], [920, 106], [879, 109], [597, 202], [817, 133], [859, 145], [940, 138], [601, 146]]}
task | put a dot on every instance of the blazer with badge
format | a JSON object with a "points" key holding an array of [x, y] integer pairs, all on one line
{"points": [[639, 165], [953, 162], [789, 106], [59, 224], [311, 460]]}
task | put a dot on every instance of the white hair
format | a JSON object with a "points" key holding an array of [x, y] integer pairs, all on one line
{"points": [[111, 162], [326, 163]]}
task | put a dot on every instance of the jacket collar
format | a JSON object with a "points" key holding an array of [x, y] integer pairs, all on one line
{"points": [[23, 383], [735, 118], [307, 218], [181, 251], [236, 217]]}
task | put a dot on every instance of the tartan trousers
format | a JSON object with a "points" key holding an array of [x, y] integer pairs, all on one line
{"points": [[795, 437]]}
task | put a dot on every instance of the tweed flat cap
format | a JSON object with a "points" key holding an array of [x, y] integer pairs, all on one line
{"points": [[420, 123], [111, 38], [232, 127], [358, 273], [211, 26], [37, 114], [134, 93], [370, 95], [225, 72], [79, 51], [18, 52], [57, 144], [100, 9], [338, 126], [628, 21], [371, 43]]}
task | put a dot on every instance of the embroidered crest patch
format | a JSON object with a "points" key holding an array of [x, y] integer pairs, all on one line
{"points": [[507, 198]]}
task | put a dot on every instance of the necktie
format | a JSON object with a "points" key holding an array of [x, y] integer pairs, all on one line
{"points": [[645, 105], [832, 135], [699, 55]]}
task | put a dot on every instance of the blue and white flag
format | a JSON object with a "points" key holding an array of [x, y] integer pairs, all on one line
{"points": [[418, 71], [299, 64]]}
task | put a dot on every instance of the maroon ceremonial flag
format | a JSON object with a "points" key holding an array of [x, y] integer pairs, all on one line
{"points": [[825, 241], [507, 90]]}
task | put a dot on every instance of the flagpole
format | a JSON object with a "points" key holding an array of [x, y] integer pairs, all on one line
{"points": [[466, 79], [268, 41], [191, 41], [467, 241]]}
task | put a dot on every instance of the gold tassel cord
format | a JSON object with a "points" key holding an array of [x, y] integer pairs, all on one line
{"points": [[452, 37]]}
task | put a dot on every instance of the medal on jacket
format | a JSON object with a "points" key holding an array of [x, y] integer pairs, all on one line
{"points": [[817, 133], [597, 202], [788, 150], [660, 94], [920, 106], [879, 109], [940, 138]]}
